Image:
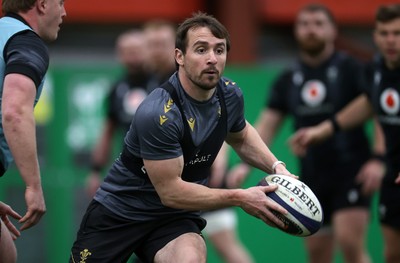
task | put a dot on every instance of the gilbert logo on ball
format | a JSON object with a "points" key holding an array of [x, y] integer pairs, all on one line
{"points": [[305, 215]]}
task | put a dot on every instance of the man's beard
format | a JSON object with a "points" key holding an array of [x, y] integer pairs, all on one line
{"points": [[211, 82], [312, 47]]}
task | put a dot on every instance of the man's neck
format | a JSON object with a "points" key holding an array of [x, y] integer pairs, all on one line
{"points": [[318, 59]]}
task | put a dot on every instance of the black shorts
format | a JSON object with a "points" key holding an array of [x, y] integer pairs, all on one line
{"points": [[336, 189], [389, 204], [106, 237]]}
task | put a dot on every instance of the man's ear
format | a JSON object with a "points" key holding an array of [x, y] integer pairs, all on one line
{"points": [[179, 56], [41, 6]]}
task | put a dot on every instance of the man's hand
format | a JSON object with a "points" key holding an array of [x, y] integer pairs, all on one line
{"points": [[35, 207], [305, 137], [259, 205], [370, 176], [5, 211]]}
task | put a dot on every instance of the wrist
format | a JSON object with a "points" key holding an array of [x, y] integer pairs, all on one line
{"points": [[335, 125], [378, 156], [275, 164]]}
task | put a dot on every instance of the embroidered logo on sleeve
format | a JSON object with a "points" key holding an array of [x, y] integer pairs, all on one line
{"points": [[191, 122], [168, 106], [163, 119]]}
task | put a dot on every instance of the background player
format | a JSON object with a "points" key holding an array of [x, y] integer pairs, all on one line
{"points": [[382, 98], [317, 85], [160, 44], [125, 97], [221, 228]]}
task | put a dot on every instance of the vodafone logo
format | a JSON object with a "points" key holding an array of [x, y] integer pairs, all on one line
{"points": [[313, 93], [390, 101]]}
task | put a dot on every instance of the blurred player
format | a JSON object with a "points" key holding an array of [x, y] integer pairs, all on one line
{"points": [[125, 97], [160, 44], [222, 223], [319, 84], [382, 97]]}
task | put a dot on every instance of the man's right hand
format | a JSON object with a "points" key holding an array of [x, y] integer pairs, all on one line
{"points": [[35, 207]]}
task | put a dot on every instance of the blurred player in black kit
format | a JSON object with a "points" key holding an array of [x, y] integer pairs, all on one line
{"points": [[147, 55], [125, 97], [340, 171], [382, 98]]}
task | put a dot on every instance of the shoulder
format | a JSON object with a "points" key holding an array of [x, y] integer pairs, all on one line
{"points": [[158, 118], [230, 87], [158, 106], [27, 43]]}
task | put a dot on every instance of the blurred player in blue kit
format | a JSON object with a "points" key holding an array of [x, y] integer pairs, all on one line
{"points": [[317, 85], [24, 28], [381, 97], [150, 201]]}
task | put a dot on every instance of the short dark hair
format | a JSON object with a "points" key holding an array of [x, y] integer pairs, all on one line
{"points": [[386, 13], [15, 6], [317, 7], [200, 19]]}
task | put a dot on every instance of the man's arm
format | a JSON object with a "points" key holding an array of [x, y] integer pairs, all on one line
{"points": [[267, 125], [251, 149], [100, 157], [372, 172], [174, 192], [353, 115], [18, 98]]}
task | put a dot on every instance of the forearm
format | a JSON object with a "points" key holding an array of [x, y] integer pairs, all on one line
{"points": [[174, 192], [20, 133], [252, 149], [191, 196], [101, 152], [355, 114]]}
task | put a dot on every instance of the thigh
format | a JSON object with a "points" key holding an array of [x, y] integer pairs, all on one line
{"points": [[351, 224], [172, 231], [105, 237], [8, 251]]}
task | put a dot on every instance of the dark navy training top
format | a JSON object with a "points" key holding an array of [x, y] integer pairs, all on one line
{"points": [[169, 124]]}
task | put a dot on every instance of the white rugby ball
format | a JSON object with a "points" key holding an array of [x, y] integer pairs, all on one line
{"points": [[305, 215]]}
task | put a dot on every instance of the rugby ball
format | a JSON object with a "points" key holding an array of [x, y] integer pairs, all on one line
{"points": [[305, 215]]}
